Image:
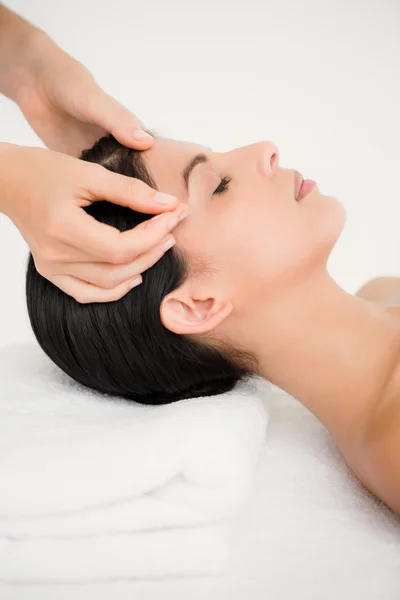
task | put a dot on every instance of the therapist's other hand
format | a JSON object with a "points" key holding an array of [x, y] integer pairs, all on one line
{"points": [[43, 193], [64, 105]]}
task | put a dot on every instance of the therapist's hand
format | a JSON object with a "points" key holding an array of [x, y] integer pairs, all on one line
{"points": [[64, 105], [43, 192]]}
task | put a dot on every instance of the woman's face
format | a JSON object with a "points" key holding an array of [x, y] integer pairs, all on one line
{"points": [[257, 239]]}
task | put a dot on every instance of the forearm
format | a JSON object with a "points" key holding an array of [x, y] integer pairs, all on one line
{"points": [[18, 45]]}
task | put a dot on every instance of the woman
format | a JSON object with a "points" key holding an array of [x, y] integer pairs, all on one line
{"points": [[245, 291]]}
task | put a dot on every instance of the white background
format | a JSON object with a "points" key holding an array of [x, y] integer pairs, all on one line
{"points": [[318, 78]]}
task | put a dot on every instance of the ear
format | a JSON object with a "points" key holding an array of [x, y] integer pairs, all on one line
{"points": [[181, 312]]}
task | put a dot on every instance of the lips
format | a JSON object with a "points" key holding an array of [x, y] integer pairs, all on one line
{"points": [[297, 184], [302, 186]]}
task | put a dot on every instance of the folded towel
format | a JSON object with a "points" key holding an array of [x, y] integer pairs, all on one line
{"points": [[188, 552], [81, 470]]}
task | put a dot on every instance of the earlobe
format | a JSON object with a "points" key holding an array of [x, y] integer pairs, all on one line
{"points": [[184, 315]]}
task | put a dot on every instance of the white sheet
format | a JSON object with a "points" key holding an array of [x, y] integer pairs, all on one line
{"points": [[137, 487]]}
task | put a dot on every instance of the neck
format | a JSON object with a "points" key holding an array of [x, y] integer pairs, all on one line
{"points": [[334, 352]]}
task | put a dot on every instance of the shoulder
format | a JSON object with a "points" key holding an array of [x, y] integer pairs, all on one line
{"points": [[382, 290]]}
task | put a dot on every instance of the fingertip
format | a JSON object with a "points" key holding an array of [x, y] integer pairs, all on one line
{"points": [[141, 134], [142, 139], [137, 138]]}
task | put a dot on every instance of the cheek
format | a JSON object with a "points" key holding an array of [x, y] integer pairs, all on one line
{"points": [[257, 248], [257, 251], [253, 251]]}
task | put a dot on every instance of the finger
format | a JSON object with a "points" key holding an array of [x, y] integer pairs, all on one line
{"points": [[108, 244], [86, 293], [126, 191], [112, 116], [109, 276]]}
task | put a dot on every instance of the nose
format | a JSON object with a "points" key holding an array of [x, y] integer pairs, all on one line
{"points": [[266, 157], [262, 157]]}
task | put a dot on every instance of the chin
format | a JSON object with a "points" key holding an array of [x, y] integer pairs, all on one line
{"points": [[328, 224], [337, 222]]}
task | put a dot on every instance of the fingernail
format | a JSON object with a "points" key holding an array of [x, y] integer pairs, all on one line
{"points": [[135, 282], [139, 134], [169, 243], [164, 198], [183, 215]]}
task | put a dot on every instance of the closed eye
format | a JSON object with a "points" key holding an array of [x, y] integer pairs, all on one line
{"points": [[223, 186]]}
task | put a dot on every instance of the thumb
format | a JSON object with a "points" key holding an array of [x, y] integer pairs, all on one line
{"points": [[126, 191], [106, 112]]}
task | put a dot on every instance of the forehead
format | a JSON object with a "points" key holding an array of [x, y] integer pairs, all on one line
{"points": [[166, 160]]}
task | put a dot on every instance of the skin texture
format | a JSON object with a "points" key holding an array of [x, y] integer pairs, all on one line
{"points": [[267, 289]]}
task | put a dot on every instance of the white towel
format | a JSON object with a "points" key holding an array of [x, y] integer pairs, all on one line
{"points": [[96, 487]]}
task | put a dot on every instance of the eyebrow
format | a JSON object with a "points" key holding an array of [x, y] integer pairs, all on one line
{"points": [[196, 160]]}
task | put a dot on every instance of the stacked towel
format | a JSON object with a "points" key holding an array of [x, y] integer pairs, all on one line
{"points": [[95, 487]]}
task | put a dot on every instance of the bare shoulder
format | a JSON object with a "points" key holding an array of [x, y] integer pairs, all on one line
{"points": [[382, 290]]}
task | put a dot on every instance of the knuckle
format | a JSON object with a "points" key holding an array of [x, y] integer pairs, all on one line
{"points": [[112, 251], [117, 256], [130, 185], [97, 170], [95, 173]]}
